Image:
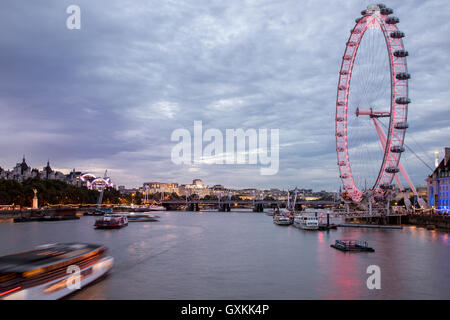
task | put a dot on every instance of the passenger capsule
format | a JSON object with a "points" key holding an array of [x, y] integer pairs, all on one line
{"points": [[363, 13], [397, 34], [397, 149], [392, 20], [401, 125], [401, 53], [392, 169], [403, 100], [386, 11], [403, 76], [381, 6], [358, 20]]}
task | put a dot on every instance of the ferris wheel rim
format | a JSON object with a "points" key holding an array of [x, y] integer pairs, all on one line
{"points": [[398, 106]]}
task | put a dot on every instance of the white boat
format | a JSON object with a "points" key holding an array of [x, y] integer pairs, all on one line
{"points": [[325, 217], [52, 271], [306, 222], [282, 220]]}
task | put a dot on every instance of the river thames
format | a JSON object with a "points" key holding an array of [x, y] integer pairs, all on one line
{"points": [[243, 255]]}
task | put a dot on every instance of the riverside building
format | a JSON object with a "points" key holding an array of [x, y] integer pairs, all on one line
{"points": [[438, 185]]}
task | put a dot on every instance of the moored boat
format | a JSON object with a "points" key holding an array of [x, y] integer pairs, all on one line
{"points": [[306, 222], [282, 220], [111, 221], [47, 272]]}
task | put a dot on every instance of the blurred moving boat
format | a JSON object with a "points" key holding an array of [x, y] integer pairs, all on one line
{"points": [[46, 272], [111, 221], [141, 217], [99, 212]]}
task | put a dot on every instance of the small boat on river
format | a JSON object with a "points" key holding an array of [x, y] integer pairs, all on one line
{"points": [[282, 220], [111, 221]]}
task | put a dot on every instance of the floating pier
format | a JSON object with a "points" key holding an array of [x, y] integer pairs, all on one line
{"points": [[352, 245]]}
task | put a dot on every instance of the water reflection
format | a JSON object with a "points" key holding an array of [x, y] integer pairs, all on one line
{"points": [[243, 255]]}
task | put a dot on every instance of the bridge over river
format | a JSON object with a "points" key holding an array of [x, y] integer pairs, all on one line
{"points": [[227, 204]]}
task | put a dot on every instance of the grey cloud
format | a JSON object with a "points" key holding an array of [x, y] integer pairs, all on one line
{"points": [[110, 94]]}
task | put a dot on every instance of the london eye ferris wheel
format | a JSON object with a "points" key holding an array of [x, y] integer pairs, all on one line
{"points": [[372, 105]]}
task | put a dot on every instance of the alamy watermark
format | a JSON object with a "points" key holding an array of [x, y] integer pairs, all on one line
{"points": [[74, 20], [235, 146], [73, 282], [374, 281]]}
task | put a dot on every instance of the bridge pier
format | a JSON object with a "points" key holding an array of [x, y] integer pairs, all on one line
{"points": [[193, 207], [259, 207], [224, 207]]}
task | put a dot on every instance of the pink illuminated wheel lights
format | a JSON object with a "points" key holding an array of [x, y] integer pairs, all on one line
{"points": [[376, 100]]}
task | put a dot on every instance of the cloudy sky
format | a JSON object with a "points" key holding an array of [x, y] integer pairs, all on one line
{"points": [[108, 96]]}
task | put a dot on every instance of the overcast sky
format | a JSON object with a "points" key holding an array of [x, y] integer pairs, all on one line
{"points": [[108, 96]]}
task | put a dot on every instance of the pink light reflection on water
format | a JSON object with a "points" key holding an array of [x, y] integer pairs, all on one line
{"points": [[340, 274]]}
